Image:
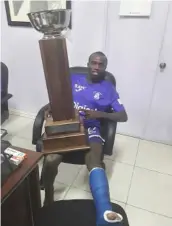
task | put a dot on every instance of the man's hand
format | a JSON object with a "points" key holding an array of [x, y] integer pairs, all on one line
{"points": [[90, 114], [114, 116]]}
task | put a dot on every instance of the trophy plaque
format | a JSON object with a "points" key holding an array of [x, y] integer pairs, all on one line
{"points": [[63, 130]]}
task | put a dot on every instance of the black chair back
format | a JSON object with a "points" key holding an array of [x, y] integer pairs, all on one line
{"points": [[4, 80], [5, 96]]}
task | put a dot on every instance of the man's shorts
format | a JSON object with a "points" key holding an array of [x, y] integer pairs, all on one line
{"points": [[94, 135]]}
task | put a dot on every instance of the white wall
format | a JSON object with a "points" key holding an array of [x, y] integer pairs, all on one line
{"points": [[20, 52]]}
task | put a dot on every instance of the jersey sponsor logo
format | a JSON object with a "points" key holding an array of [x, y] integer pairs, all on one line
{"points": [[97, 95], [78, 106], [79, 88]]}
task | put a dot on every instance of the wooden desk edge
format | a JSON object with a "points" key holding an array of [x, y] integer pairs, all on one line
{"points": [[5, 193]]}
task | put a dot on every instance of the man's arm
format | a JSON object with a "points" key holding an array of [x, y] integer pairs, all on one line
{"points": [[114, 116], [118, 115]]}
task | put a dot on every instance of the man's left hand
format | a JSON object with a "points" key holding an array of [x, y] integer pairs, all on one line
{"points": [[90, 114]]}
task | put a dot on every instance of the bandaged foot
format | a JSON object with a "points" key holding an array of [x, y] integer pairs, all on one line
{"points": [[112, 216], [109, 218], [100, 192]]}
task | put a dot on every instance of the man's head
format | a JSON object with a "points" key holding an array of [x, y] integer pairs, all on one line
{"points": [[97, 64]]}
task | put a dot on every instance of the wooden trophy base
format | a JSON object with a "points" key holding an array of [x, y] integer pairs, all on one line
{"points": [[64, 136], [63, 130], [59, 127]]}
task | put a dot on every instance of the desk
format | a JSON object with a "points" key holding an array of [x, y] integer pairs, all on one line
{"points": [[20, 194]]}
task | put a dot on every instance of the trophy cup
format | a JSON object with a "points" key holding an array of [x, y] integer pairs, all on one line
{"points": [[63, 130]]}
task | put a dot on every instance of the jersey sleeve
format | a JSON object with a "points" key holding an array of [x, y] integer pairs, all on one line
{"points": [[116, 104]]}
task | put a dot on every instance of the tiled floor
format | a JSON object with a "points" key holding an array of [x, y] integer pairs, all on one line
{"points": [[139, 173]]}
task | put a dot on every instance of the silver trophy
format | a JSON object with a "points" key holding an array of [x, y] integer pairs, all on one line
{"points": [[52, 23]]}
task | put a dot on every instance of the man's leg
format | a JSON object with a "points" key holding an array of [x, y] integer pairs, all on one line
{"points": [[49, 172], [99, 185]]}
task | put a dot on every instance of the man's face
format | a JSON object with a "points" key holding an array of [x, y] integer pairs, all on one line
{"points": [[97, 66]]}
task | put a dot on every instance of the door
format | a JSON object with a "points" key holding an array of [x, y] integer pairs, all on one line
{"points": [[159, 124], [132, 47]]}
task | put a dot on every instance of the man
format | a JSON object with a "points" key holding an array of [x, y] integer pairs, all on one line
{"points": [[92, 96]]}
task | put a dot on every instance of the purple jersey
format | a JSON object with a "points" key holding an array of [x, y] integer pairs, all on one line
{"points": [[94, 96]]}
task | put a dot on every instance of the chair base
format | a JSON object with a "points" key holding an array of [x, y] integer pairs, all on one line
{"points": [[73, 212]]}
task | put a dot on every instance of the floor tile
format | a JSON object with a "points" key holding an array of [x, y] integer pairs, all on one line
{"points": [[67, 173], [125, 149], [20, 142], [60, 190], [42, 197], [151, 191], [15, 124], [75, 193], [119, 176], [155, 156], [27, 131], [139, 217], [40, 164], [81, 180]]}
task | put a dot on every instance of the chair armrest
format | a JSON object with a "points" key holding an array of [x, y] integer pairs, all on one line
{"points": [[109, 137], [5, 98], [38, 124]]}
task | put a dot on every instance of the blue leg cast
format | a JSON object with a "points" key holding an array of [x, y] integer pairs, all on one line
{"points": [[100, 192]]}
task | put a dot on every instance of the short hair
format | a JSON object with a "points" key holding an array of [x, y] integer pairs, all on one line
{"points": [[100, 54]]}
